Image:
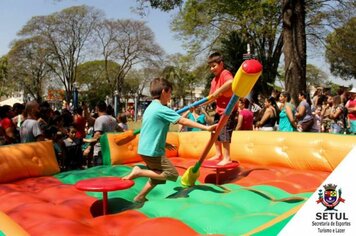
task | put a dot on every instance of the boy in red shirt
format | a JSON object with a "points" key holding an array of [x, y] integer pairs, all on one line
{"points": [[222, 91]]}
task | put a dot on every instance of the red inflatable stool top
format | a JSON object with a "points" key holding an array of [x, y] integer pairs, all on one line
{"points": [[104, 185], [213, 164]]}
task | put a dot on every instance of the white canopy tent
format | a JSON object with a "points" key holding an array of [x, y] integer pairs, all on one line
{"points": [[10, 101]]}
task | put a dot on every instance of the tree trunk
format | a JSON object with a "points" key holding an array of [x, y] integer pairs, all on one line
{"points": [[119, 86], [294, 48]]}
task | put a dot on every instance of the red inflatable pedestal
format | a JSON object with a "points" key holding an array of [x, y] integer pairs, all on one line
{"points": [[104, 185], [213, 164]]}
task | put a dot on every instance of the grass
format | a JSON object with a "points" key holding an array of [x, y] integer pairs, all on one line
{"points": [[137, 125]]}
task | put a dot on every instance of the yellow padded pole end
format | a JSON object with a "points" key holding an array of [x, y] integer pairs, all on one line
{"points": [[246, 77]]}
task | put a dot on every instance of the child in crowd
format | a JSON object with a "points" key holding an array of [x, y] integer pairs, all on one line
{"points": [[88, 143], [122, 121], [72, 150], [317, 120], [52, 133], [152, 142]]}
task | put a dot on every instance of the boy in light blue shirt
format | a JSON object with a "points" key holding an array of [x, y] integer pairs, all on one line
{"points": [[152, 142]]}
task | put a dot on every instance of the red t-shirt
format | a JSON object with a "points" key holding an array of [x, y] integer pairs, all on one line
{"points": [[80, 123], [6, 123], [350, 104], [223, 99]]}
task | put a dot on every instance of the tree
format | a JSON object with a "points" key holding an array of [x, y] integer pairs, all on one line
{"points": [[315, 76], [203, 25], [129, 43], [323, 16], [65, 35], [139, 79], [313, 19], [164, 5], [179, 70], [28, 66], [3, 76], [95, 80], [294, 47], [341, 50], [251, 18]]}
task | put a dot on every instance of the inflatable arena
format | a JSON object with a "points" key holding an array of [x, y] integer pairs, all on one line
{"points": [[274, 174]]}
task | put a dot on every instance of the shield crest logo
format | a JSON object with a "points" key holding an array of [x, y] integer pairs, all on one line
{"points": [[330, 197]]}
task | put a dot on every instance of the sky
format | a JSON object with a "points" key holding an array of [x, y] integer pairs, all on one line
{"points": [[14, 14]]}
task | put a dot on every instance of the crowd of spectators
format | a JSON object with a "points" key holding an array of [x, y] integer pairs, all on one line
{"points": [[322, 112], [76, 134]]}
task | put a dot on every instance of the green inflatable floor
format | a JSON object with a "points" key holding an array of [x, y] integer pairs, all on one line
{"points": [[229, 209]]}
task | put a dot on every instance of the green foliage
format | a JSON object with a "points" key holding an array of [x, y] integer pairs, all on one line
{"points": [[211, 20], [180, 72], [164, 5], [228, 25], [341, 50], [95, 80], [315, 76], [233, 48], [203, 23], [65, 35], [29, 67], [72, 35], [129, 43], [322, 16], [3, 76]]}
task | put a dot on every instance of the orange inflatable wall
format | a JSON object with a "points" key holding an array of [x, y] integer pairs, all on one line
{"points": [[303, 151], [21, 161], [127, 153], [309, 151]]}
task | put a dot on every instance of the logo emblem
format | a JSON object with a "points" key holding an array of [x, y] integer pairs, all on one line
{"points": [[330, 198]]}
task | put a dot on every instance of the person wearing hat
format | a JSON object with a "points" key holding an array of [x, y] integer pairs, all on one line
{"points": [[351, 109]]}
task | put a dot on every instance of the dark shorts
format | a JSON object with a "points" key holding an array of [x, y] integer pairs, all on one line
{"points": [[307, 125], [226, 132], [161, 165]]}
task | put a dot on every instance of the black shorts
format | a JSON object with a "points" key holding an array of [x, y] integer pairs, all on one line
{"points": [[226, 132]]}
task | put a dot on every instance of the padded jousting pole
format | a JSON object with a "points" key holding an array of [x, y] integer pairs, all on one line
{"points": [[129, 135]]}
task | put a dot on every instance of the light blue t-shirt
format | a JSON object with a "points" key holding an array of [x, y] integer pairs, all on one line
{"points": [[200, 120], [155, 126]]}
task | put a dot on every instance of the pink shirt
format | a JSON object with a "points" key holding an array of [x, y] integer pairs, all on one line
{"points": [[217, 82], [350, 104], [247, 121]]}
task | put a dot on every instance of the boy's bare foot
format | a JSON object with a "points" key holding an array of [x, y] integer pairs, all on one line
{"points": [[133, 173], [224, 162], [139, 199], [215, 157]]}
